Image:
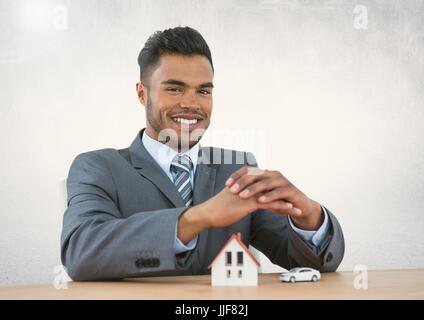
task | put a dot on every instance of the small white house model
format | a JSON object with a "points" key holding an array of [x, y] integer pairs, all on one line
{"points": [[234, 265]]}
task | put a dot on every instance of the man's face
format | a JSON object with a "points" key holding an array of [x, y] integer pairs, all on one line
{"points": [[178, 97]]}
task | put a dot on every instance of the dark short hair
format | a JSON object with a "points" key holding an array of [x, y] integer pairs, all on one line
{"points": [[179, 40]]}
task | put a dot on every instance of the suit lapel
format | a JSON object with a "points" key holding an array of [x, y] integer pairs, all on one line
{"points": [[204, 179], [148, 168]]}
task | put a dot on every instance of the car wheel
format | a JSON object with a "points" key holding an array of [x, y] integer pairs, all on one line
{"points": [[292, 279], [314, 278]]}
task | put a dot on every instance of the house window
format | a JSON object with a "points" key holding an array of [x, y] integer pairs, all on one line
{"points": [[228, 261], [240, 273], [240, 258], [228, 273]]}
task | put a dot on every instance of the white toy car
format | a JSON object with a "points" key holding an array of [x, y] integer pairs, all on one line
{"points": [[300, 274]]}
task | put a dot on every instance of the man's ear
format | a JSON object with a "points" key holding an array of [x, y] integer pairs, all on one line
{"points": [[141, 93]]}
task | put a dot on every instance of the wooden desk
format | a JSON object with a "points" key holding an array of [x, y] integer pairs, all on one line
{"points": [[388, 284]]}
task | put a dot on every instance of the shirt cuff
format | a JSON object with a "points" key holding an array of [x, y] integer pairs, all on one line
{"points": [[314, 237], [179, 247]]}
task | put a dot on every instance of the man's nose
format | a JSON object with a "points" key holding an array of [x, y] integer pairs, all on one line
{"points": [[190, 101]]}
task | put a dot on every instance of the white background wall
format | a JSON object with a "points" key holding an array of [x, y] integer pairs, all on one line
{"points": [[342, 109]]}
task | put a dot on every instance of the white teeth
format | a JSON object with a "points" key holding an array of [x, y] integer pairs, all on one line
{"points": [[185, 121]]}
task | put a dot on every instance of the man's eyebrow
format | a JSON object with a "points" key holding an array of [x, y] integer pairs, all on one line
{"points": [[206, 85], [183, 84], [173, 81]]}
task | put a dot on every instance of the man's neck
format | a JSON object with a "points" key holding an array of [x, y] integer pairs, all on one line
{"points": [[178, 147]]}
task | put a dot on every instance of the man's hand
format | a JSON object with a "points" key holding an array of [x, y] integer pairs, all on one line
{"points": [[247, 190], [226, 208], [222, 210], [275, 193]]}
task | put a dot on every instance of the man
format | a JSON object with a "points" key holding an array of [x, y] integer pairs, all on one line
{"points": [[166, 205]]}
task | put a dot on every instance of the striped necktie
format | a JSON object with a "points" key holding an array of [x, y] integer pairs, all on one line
{"points": [[181, 166]]}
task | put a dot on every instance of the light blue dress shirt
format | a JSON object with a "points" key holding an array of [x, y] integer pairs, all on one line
{"points": [[164, 155]]}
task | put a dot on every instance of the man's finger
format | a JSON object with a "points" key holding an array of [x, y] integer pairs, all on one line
{"points": [[252, 175], [246, 170], [282, 207], [279, 206], [277, 194], [236, 175], [263, 185]]}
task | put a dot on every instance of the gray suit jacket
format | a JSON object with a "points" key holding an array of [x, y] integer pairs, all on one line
{"points": [[122, 211]]}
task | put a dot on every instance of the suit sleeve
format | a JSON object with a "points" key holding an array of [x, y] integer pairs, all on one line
{"points": [[97, 242], [273, 236]]}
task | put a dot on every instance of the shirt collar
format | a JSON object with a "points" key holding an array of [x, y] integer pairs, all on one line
{"points": [[164, 154]]}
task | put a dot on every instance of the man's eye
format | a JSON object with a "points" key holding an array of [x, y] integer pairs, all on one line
{"points": [[205, 92], [173, 89]]}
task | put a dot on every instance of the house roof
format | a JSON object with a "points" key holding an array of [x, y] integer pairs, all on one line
{"points": [[237, 237]]}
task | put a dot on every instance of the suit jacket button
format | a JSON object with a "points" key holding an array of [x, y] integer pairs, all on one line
{"points": [[149, 263], [156, 262], [140, 263]]}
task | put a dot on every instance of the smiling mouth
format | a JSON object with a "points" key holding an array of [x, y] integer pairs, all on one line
{"points": [[186, 121]]}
